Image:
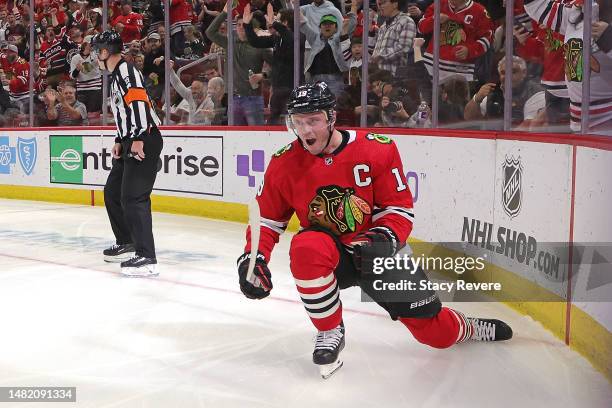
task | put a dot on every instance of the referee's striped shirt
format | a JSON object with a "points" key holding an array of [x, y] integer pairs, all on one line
{"points": [[133, 109]]}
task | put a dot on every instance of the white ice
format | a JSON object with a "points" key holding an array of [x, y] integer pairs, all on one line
{"points": [[188, 338]]}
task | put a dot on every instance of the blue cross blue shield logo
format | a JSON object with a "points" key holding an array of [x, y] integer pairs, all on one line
{"points": [[26, 149], [7, 155]]}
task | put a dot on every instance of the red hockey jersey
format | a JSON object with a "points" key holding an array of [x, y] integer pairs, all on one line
{"points": [[132, 26], [18, 75], [469, 26], [362, 185], [180, 15], [546, 47]]}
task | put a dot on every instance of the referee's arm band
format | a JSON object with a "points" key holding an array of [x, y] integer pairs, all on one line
{"points": [[136, 95]]}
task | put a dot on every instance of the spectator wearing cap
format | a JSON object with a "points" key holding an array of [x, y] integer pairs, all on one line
{"points": [[128, 24], [63, 107], [15, 74], [325, 61], [85, 70], [153, 70], [315, 11]]}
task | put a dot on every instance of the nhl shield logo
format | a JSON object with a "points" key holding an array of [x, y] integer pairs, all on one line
{"points": [[512, 192], [26, 149]]}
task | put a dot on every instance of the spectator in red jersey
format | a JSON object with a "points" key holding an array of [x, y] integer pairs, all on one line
{"points": [[466, 32], [544, 46], [79, 14], [52, 12], [180, 18], [15, 74], [128, 24]]}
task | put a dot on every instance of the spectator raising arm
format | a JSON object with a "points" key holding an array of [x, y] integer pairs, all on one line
{"points": [[212, 32]]}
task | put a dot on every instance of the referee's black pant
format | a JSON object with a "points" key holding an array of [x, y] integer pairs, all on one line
{"points": [[127, 195]]}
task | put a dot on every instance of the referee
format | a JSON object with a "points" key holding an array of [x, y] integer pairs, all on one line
{"points": [[127, 193]]}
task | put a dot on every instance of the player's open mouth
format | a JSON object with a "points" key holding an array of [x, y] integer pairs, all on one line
{"points": [[310, 142]]}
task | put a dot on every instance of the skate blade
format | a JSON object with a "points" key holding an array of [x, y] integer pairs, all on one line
{"points": [[142, 272], [118, 258], [327, 370]]}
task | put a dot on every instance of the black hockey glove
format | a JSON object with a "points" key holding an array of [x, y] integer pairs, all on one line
{"points": [[378, 242], [261, 283]]}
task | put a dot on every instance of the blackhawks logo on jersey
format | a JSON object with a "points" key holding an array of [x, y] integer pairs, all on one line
{"points": [[574, 70], [551, 41], [283, 150], [379, 138], [452, 33], [337, 209]]}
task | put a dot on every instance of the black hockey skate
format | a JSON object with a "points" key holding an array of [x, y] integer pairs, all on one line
{"points": [[487, 330], [327, 350], [119, 253], [139, 266]]}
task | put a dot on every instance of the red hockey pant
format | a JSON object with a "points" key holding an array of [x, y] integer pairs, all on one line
{"points": [[314, 259]]}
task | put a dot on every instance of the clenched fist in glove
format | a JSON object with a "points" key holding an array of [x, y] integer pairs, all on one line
{"points": [[261, 283], [377, 242]]}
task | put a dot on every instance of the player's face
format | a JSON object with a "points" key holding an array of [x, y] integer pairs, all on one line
{"points": [[312, 129]]}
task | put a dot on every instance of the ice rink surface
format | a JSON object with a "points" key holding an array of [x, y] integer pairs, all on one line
{"points": [[189, 338]]}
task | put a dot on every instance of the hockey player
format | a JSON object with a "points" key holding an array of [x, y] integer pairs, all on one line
{"points": [[349, 192]]}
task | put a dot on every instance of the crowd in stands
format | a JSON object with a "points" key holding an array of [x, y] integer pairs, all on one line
{"points": [[546, 64]]}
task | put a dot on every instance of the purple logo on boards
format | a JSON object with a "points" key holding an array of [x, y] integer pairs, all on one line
{"points": [[245, 164]]}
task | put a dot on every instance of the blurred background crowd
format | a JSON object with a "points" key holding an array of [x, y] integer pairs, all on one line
{"points": [[56, 75]]}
